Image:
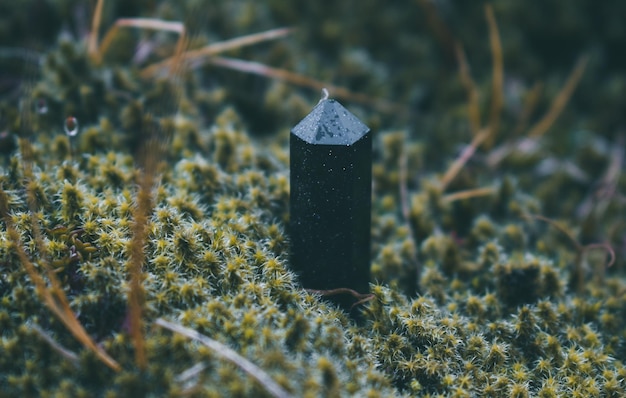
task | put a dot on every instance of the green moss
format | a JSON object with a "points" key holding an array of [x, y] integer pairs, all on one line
{"points": [[470, 296]]}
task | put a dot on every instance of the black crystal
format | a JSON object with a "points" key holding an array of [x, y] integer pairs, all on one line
{"points": [[330, 203]]}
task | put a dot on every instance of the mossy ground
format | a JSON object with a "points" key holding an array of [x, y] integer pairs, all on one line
{"points": [[497, 307]]}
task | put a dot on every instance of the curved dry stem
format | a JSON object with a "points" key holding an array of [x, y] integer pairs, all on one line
{"points": [[470, 193], [605, 246], [460, 162], [92, 45], [136, 293], [473, 105], [561, 100], [230, 355], [198, 57], [64, 352], [530, 104], [141, 23], [53, 297], [558, 226]]}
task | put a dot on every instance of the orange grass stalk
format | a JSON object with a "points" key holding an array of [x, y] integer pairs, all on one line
{"points": [[470, 193], [136, 292], [473, 100], [92, 42], [460, 162], [148, 160], [530, 104], [141, 23], [197, 56], [53, 297], [561, 100]]}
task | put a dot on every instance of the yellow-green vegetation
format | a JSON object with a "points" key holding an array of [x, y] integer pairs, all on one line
{"points": [[496, 212]]}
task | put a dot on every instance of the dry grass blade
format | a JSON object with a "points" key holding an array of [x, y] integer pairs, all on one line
{"points": [[136, 293], [152, 148], [92, 45], [473, 105], [604, 246], [561, 100], [460, 162], [64, 352], [53, 297], [303, 81], [470, 193], [530, 103], [230, 355], [207, 55], [558, 226], [141, 23], [497, 95], [197, 56]]}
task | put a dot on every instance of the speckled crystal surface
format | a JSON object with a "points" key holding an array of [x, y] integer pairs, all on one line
{"points": [[329, 123]]}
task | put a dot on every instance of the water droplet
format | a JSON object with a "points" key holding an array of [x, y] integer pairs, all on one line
{"points": [[41, 106], [71, 126]]}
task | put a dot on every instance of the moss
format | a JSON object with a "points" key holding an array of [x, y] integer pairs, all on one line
{"points": [[470, 296]]}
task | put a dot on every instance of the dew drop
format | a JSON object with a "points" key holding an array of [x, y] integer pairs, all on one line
{"points": [[71, 126], [41, 106]]}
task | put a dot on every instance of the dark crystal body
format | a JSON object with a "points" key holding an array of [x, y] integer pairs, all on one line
{"points": [[330, 204]]}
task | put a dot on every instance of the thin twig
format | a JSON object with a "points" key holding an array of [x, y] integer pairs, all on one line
{"points": [[230, 355], [199, 56], [473, 105], [561, 100], [468, 194], [530, 104], [92, 46], [64, 352], [207, 55], [136, 291], [141, 23], [606, 247], [558, 226], [54, 297], [191, 372], [151, 151], [460, 162]]}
